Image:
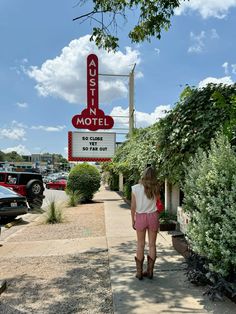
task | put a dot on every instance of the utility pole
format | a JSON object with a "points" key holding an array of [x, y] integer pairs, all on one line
{"points": [[131, 101]]}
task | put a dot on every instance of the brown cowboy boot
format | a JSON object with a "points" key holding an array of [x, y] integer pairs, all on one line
{"points": [[150, 265], [139, 268]]}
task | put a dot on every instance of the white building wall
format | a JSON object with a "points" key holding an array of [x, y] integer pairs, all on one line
{"points": [[121, 182], [172, 197]]}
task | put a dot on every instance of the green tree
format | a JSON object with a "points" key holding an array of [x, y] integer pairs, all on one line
{"points": [[152, 17], [13, 156], [62, 162], [2, 156]]}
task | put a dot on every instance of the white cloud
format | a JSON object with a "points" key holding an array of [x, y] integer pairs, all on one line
{"points": [[17, 130], [233, 66], [142, 119], [225, 66], [65, 152], [207, 8], [214, 34], [22, 104], [121, 117], [65, 75], [14, 132], [223, 80], [157, 50], [20, 149], [198, 42], [57, 128]]}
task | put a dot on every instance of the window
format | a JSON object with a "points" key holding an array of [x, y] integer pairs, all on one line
{"points": [[2, 177]]}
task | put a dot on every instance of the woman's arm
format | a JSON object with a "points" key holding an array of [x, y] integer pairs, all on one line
{"points": [[133, 208]]}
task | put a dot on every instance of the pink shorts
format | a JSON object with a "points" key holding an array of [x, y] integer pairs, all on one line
{"points": [[147, 221]]}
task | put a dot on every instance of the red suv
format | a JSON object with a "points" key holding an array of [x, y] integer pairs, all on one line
{"points": [[28, 184]]}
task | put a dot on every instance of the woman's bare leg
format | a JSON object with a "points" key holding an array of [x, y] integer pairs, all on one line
{"points": [[140, 244], [152, 237]]}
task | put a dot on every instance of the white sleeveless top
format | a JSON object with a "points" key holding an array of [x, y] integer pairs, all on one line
{"points": [[143, 204]]}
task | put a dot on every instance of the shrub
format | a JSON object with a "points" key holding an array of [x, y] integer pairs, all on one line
{"points": [[113, 181], [167, 217], [210, 198], [127, 190], [84, 179], [74, 198], [54, 214]]}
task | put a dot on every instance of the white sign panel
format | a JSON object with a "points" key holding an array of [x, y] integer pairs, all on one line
{"points": [[89, 146]]}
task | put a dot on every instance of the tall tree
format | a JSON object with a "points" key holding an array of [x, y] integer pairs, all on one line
{"points": [[2, 156], [13, 156], [152, 17]]}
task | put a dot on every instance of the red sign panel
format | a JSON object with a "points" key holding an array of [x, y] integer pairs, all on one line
{"points": [[92, 118]]}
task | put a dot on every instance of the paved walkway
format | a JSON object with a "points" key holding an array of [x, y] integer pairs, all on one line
{"points": [[168, 292]]}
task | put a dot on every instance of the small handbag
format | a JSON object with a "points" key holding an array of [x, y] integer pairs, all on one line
{"points": [[160, 206]]}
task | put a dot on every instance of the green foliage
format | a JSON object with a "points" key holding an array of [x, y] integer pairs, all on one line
{"points": [[138, 151], [61, 162], [128, 190], [167, 217], [193, 122], [152, 18], [170, 143], [12, 156], [210, 198], [2, 156], [74, 198], [54, 214], [113, 181], [84, 179]]}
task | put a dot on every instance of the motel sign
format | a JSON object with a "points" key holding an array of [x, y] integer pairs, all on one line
{"points": [[92, 118]]}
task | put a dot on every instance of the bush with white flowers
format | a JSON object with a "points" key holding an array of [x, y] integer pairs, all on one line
{"points": [[210, 198]]}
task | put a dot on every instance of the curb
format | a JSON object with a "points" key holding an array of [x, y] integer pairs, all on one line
{"points": [[13, 223], [3, 286]]}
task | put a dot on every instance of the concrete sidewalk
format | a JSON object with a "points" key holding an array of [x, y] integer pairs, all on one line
{"points": [[168, 292]]}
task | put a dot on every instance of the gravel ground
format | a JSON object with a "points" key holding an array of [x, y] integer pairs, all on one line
{"points": [[59, 284], [83, 221]]}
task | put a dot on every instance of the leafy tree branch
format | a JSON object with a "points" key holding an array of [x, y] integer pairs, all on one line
{"points": [[153, 17]]}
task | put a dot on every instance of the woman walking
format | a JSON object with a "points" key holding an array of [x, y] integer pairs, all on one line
{"points": [[145, 219]]}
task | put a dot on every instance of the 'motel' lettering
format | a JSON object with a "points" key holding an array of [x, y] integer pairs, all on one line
{"points": [[92, 118]]}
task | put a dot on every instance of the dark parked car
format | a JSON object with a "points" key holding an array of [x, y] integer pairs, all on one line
{"points": [[28, 184], [11, 203]]}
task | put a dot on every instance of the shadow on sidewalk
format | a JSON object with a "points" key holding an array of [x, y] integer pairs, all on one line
{"points": [[59, 284], [168, 292]]}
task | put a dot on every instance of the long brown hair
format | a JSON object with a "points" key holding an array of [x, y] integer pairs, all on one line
{"points": [[150, 183]]}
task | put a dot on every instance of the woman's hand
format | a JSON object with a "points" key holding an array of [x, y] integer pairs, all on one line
{"points": [[133, 225]]}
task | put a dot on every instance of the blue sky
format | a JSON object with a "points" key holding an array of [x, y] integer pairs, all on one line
{"points": [[43, 68]]}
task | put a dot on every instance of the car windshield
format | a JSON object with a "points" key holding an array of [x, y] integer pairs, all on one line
{"points": [[5, 191]]}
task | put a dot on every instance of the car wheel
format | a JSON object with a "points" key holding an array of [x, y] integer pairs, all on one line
{"points": [[34, 188]]}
